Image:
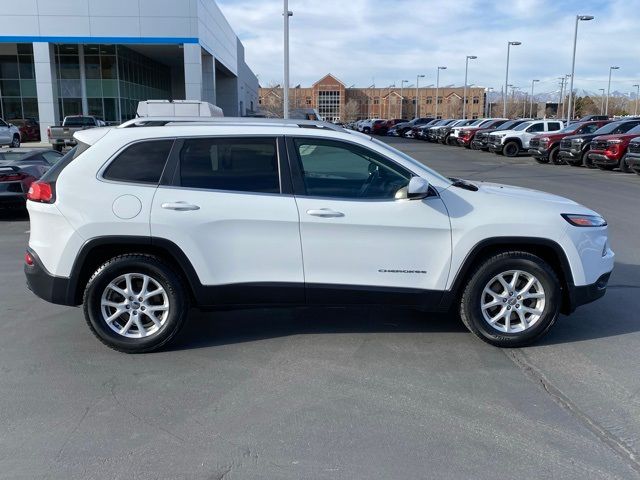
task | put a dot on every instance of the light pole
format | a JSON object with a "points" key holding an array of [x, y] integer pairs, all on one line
{"points": [[602, 99], [579, 18], [464, 96], [393, 85], [533, 82], [487, 103], [438, 87], [506, 78], [635, 112], [402, 82], [606, 108], [286, 14], [418, 77]]}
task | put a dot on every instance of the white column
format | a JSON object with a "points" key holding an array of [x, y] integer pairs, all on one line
{"points": [[208, 78], [43, 59], [83, 81], [192, 71]]}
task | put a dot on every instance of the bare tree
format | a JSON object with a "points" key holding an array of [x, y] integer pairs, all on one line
{"points": [[351, 110]]}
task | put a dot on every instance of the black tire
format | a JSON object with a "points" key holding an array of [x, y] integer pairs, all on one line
{"points": [[541, 160], [163, 275], [366, 130], [624, 166], [554, 156], [587, 162], [511, 149], [15, 142], [470, 304], [605, 167]]}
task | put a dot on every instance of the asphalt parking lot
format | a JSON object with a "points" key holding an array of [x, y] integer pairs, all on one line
{"points": [[334, 393]]}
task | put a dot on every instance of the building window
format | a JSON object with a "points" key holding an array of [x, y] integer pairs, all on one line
{"points": [[329, 105], [307, 100], [429, 100], [17, 84], [476, 100], [376, 100], [439, 100]]}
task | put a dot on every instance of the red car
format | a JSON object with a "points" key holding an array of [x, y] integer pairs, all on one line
{"points": [[466, 135], [608, 151], [546, 148], [379, 127], [29, 129]]}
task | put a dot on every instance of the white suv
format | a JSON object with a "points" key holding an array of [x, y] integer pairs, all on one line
{"points": [[140, 222], [512, 142]]}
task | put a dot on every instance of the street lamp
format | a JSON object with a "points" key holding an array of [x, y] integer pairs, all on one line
{"points": [[464, 96], [533, 82], [506, 78], [637, 93], [487, 103], [579, 18], [393, 85], [437, 87], [606, 108], [602, 98], [402, 82], [418, 77], [286, 14]]}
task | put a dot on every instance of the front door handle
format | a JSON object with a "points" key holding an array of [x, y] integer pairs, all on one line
{"points": [[325, 213], [180, 206]]}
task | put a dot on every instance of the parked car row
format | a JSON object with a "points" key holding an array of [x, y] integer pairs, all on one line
{"points": [[594, 141]]}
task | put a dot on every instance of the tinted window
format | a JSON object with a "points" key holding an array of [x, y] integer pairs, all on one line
{"points": [[52, 157], [343, 170], [80, 122], [522, 126], [553, 126], [536, 127], [236, 164], [588, 129], [616, 127], [140, 163]]}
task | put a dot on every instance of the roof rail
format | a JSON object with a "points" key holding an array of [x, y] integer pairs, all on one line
{"points": [[164, 121]]}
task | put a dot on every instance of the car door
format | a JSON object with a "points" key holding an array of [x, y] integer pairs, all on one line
{"points": [[363, 242], [532, 131], [5, 133], [224, 205]]}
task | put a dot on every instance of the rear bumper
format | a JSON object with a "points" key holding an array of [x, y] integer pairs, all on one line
{"points": [[587, 293], [47, 286]]}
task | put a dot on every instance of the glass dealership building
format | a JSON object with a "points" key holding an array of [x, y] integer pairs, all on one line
{"points": [[94, 57]]}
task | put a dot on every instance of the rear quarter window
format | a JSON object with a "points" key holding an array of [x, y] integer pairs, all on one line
{"points": [[142, 162]]}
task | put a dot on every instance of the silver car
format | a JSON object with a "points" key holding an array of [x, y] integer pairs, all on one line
{"points": [[9, 134]]}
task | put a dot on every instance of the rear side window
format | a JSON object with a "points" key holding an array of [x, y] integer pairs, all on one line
{"points": [[234, 164], [553, 126], [141, 162]]}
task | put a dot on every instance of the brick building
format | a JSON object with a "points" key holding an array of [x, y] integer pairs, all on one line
{"points": [[334, 101]]}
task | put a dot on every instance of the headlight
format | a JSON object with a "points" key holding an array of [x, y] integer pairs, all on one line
{"points": [[584, 220], [614, 141], [578, 140]]}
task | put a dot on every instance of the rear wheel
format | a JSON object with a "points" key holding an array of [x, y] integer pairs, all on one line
{"points": [[511, 300], [135, 303], [511, 149]]}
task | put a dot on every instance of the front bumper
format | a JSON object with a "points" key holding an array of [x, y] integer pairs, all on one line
{"points": [[570, 155], [47, 286], [601, 159], [539, 153], [633, 161], [496, 147], [479, 145], [587, 293]]}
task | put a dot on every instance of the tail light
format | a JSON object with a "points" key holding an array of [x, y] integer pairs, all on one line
{"points": [[42, 192], [28, 259], [12, 177]]}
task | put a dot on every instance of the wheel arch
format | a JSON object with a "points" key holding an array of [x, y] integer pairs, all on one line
{"points": [[549, 250], [98, 250]]}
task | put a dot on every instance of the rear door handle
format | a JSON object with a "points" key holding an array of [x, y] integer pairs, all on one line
{"points": [[325, 213], [180, 206]]}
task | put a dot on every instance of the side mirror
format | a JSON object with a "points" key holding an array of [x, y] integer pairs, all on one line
{"points": [[418, 188]]}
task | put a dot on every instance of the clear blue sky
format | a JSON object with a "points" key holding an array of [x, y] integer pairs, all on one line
{"points": [[362, 40]]}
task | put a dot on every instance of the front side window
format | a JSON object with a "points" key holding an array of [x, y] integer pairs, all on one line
{"points": [[588, 129], [536, 127], [141, 162], [343, 170], [234, 164]]}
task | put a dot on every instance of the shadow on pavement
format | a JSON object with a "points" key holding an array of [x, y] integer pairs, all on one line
{"points": [[13, 214]]}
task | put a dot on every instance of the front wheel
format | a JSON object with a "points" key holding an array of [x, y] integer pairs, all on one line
{"points": [[135, 303], [554, 156], [511, 149], [624, 166], [15, 142], [511, 300]]}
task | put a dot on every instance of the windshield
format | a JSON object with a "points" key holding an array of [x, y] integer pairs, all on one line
{"points": [[635, 129], [523, 126], [411, 160], [616, 127], [79, 122], [570, 128]]}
